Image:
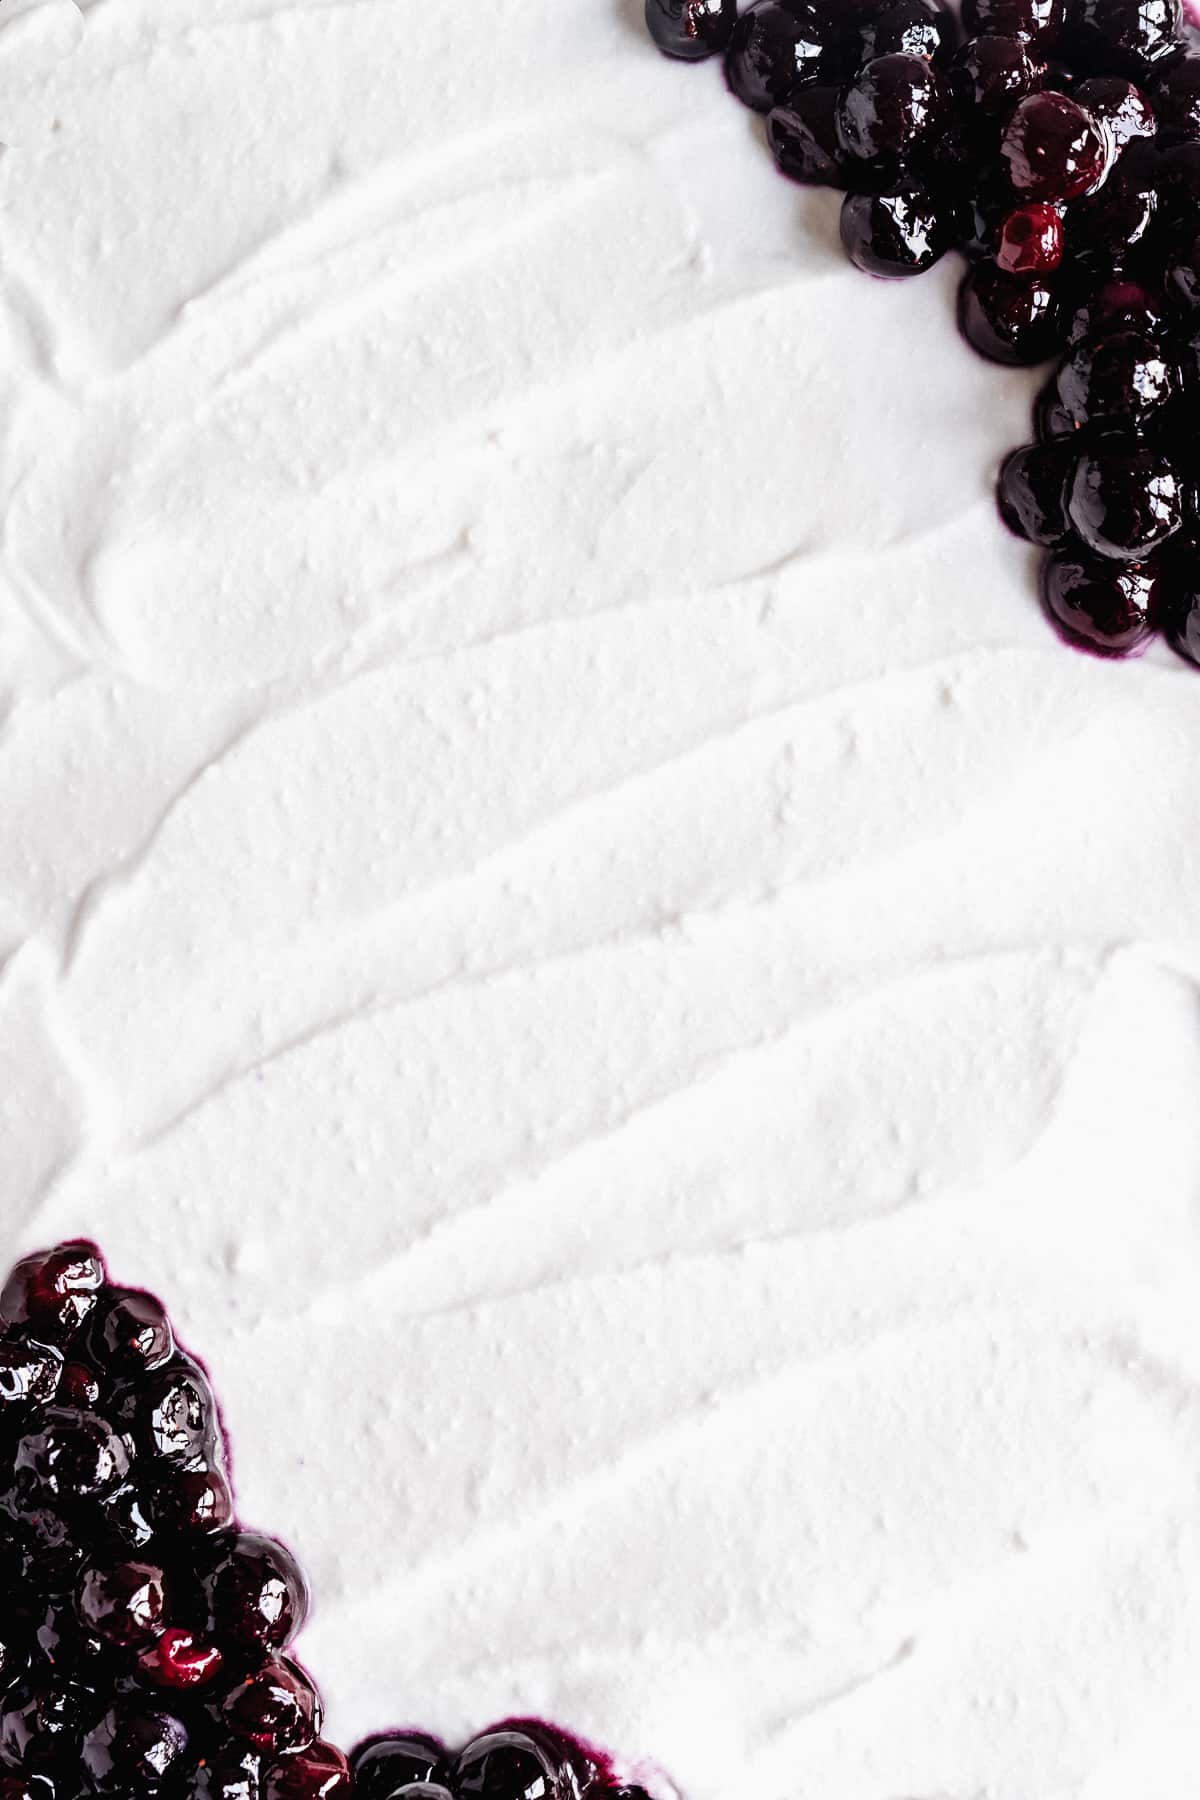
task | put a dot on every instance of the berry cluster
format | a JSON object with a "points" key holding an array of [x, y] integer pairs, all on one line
{"points": [[521, 1759], [1057, 146], [143, 1633], [144, 1636]]}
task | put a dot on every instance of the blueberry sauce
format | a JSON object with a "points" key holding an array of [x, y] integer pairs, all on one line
{"points": [[146, 1636], [1055, 144]]}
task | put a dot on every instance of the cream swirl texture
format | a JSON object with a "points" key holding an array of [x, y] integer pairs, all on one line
{"points": [[559, 901]]}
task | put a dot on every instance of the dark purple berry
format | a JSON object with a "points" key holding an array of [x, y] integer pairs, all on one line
{"points": [[124, 1604], [802, 135], [1031, 491], [1183, 277], [41, 1723], [382, 1766], [1104, 607], [1038, 21], [123, 1528], [1031, 240], [1054, 149], [318, 1773], [1122, 109], [1176, 96], [53, 1292], [1123, 37], [990, 74], [1008, 319], [895, 234], [1119, 305], [691, 29], [1179, 599], [230, 1772], [276, 1709], [1125, 500], [1178, 182], [26, 1787], [68, 1644], [911, 28], [173, 1412], [1107, 226], [131, 1333], [29, 1373], [71, 1456], [1119, 380], [772, 50], [130, 1751], [79, 1386], [192, 1499], [257, 1596], [1049, 416], [179, 1659], [894, 102], [518, 1762]]}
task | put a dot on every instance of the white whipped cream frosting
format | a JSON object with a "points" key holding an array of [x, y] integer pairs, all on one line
{"points": [[560, 903]]}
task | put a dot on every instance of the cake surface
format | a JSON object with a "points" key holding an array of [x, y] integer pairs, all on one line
{"points": [[560, 903]]}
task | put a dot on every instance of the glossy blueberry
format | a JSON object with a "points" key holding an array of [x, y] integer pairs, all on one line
{"points": [[1122, 109], [1105, 607], [1175, 92], [990, 74], [71, 1456], [195, 1498], [42, 1720], [1178, 182], [518, 1762], [1031, 240], [894, 102], [1123, 37], [69, 1645], [802, 135], [1183, 277], [1179, 598], [122, 1527], [1125, 500], [897, 234], [172, 1412], [80, 1386], [53, 1292], [1107, 227], [124, 1604], [130, 1332], [1031, 491], [180, 1659], [911, 28], [691, 29], [275, 1709], [30, 1373], [1037, 21], [1118, 305], [318, 1773], [1120, 380], [230, 1772], [1054, 149], [773, 49], [384, 1765], [1009, 319], [131, 1750], [26, 1787], [257, 1596]]}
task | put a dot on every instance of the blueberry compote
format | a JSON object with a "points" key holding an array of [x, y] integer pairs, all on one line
{"points": [[518, 1759], [144, 1634], [1055, 144]]}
